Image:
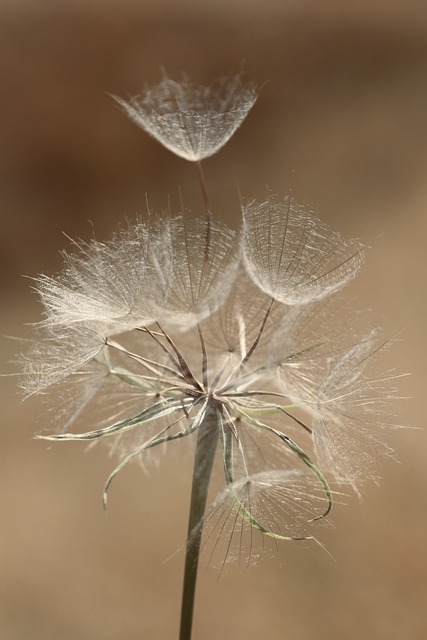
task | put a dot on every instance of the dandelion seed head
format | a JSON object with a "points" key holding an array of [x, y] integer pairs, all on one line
{"points": [[191, 120], [56, 354], [170, 321], [200, 278], [293, 256], [351, 410], [182, 329], [118, 284], [286, 502]]}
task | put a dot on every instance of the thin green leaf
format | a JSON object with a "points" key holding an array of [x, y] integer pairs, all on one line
{"points": [[158, 439], [142, 382], [227, 441], [154, 412], [302, 455], [246, 515]]}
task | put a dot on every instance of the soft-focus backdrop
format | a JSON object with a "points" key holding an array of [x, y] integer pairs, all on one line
{"points": [[341, 122]]}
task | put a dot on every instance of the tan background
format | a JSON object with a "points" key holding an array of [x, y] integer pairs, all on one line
{"points": [[342, 123]]}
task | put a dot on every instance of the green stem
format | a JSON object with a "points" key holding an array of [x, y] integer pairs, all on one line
{"points": [[207, 440]]}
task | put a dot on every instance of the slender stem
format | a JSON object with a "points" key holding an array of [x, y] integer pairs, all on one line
{"points": [[204, 190], [208, 213], [258, 338], [204, 358], [207, 440]]}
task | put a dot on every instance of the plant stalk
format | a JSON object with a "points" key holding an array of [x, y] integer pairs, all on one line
{"points": [[208, 214], [207, 440], [204, 191]]}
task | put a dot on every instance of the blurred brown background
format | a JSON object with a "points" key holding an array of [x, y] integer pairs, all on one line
{"points": [[341, 123]]}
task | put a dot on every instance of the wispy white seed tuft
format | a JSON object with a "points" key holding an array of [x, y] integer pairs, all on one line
{"points": [[351, 407], [57, 352], [204, 258], [274, 505], [118, 284], [191, 120], [293, 256]]}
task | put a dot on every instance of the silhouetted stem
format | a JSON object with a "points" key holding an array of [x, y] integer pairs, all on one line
{"points": [[208, 213], [207, 441], [204, 190], [258, 338]]}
